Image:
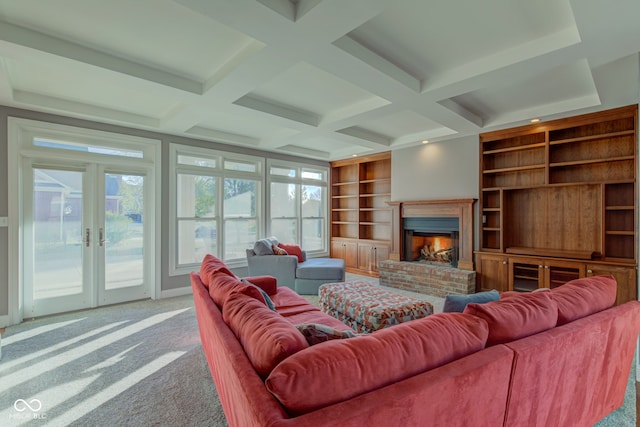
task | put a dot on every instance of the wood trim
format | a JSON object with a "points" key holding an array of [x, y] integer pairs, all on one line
{"points": [[455, 208]]}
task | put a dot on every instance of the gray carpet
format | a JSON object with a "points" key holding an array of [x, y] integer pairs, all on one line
{"points": [[135, 364]]}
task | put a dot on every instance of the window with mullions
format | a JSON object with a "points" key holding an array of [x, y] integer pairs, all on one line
{"points": [[215, 200], [298, 205]]}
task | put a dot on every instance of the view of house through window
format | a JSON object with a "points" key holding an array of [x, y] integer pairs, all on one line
{"points": [[216, 200]]}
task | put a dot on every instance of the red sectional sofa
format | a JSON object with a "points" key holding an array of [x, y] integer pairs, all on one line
{"points": [[554, 358]]}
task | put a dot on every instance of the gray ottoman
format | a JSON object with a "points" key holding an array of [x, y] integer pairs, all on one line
{"points": [[315, 271]]}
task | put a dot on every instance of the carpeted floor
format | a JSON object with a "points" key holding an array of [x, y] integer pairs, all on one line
{"points": [[135, 364]]}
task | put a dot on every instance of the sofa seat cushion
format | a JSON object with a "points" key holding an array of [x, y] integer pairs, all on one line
{"points": [[289, 303], [338, 370], [317, 316], [516, 317], [582, 297], [266, 337], [321, 268]]}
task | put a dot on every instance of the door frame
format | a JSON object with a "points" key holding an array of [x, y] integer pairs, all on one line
{"points": [[20, 130]]}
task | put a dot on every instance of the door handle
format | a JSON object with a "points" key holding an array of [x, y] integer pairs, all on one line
{"points": [[87, 237], [101, 236]]}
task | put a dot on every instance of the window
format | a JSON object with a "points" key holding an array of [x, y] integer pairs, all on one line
{"points": [[215, 206], [298, 205]]}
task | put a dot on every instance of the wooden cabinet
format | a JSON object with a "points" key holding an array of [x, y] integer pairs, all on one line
{"points": [[360, 190], [625, 276], [370, 254], [565, 189], [492, 272], [528, 274], [347, 249], [524, 274]]}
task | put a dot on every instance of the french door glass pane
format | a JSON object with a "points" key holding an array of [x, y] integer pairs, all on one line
{"points": [[123, 234], [57, 232]]}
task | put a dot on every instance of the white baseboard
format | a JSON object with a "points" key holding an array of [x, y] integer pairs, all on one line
{"points": [[4, 321], [176, 292]]}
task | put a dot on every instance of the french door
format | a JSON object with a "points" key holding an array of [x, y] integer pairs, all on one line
{"points": [[84, 235]]}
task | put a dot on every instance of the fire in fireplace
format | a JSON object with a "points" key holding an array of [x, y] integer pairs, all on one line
{"points": [[431, 240], [437, 248]]}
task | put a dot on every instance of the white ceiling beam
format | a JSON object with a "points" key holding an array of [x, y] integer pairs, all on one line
{"points": [[59, 47]]}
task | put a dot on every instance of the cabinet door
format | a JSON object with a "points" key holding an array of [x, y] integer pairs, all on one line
{"points": [[491, 272], [351, 254], [525, 274], [347, 250], [557, 273], [625, 276], [365, 256], [338, 249], [380, 253]]}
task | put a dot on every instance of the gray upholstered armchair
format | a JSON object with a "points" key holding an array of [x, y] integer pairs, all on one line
{"points": [[303, 277]]}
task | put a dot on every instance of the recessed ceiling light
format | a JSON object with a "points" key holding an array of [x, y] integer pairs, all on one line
{"points": [[535, 120], [354, 155], [426, 141]]}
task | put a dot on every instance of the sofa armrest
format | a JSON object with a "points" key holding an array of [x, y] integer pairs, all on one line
{"points": [[269, 284], [282, 267]]}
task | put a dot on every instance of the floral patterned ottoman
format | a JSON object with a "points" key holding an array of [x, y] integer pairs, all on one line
{"points": [[366, 308]]}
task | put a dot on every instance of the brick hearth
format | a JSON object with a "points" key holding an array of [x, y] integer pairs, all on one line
{"points": [[426, 278]]}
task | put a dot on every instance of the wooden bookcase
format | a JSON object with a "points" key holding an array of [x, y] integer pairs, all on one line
{"points": [[360, 216], [558, 201]]}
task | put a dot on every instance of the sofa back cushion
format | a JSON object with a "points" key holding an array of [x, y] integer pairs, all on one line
{"points": [[516, 317], [222, 286], [582, 297], [266, 337], [211, 266], [338, 370]]}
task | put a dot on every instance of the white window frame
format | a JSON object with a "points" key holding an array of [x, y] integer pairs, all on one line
{"points": [[299, 181], [220, 173]]}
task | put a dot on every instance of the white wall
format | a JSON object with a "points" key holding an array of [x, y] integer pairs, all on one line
{"points": [[441, 170]]}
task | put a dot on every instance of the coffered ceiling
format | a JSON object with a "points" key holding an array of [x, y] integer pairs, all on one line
{"points": [[325, 79]]}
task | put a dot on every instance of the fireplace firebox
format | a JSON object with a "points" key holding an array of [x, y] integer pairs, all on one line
{"points": [[434, 247], [431, 240]]}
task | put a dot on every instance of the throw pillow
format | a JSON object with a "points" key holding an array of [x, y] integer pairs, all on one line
{"points": [[267, 300], [516, 317], [293, 250], [263, 247], [278, 250], [457, 303], [315, 333]]}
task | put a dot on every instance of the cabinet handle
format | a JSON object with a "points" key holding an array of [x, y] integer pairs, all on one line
{"points": [[546, 266], [540, 266], [87, 239], [590, 271], [504, 262]]}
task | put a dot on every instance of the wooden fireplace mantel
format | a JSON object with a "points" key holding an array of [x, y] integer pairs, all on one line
{"points": [[452, 208]]}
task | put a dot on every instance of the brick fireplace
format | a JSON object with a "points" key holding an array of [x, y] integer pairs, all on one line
{"points": [[432, 247]]}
